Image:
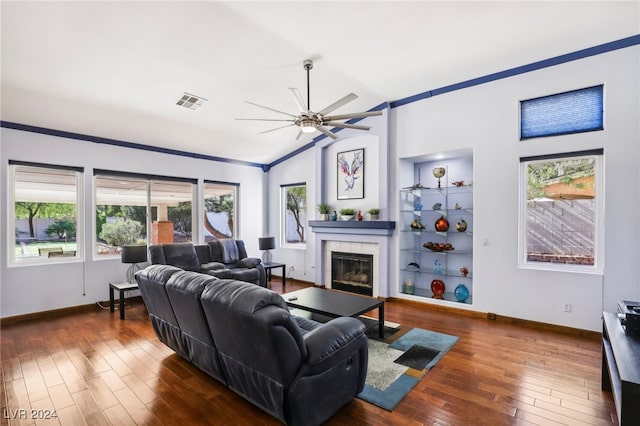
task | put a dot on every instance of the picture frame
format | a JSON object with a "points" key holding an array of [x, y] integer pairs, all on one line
{"points": [[350, 174]]}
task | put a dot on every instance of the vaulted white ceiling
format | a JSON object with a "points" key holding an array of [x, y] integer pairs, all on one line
{"points": [[116, 69]]}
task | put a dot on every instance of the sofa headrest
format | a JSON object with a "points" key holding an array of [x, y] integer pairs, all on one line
{"points": [[182, 255], [157, 273], [189, 282], [243, 297]]}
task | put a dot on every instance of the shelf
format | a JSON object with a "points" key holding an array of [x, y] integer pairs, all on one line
{"points": [[443, 234], [426, 206], [429, 271], [425, 250], [449, 297], [445, 190], [445, 212]]}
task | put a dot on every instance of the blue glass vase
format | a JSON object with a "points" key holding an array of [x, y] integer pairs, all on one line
{"points": [[461, 292]]}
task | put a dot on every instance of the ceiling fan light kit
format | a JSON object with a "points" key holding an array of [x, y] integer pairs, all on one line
{"points": [[309, 121]]}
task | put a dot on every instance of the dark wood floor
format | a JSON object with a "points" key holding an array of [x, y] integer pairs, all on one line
{"points": [[91, 368]]}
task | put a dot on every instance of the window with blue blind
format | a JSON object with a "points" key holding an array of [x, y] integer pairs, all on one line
{"points": [[563, 113]]}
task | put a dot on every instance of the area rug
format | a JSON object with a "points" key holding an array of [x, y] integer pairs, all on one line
{"points": [[400, 361]]}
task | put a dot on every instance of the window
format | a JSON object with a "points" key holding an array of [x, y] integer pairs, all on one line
{"points": [[569, 112], [220, 210], [561, 214], [125, 201], [45, 212], [294, 214]]}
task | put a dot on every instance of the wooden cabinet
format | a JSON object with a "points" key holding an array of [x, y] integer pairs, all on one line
{"points": [[621, 369]]}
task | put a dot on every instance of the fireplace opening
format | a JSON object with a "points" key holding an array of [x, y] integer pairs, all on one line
{"points": [[352, 272]]}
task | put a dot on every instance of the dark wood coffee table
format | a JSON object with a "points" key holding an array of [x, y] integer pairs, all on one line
{"points": [[335, 304]]}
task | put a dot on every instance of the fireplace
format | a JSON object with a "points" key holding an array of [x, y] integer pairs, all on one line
{"points": [[352, 272]]}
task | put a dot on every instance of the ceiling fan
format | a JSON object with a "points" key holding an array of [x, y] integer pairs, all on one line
{"points": [[309, 121]]}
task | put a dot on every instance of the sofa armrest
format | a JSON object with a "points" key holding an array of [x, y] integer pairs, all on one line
{"points": [[323, 342], [248, 262]]}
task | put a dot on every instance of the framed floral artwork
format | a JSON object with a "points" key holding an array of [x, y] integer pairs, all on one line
{"points": [[350, 174]]}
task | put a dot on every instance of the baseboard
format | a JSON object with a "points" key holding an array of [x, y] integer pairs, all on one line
{"points": [[500, 318], [93, 307]]}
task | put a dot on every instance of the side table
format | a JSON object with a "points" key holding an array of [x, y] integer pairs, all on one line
{"points": [[272, 265], [121, 286]]}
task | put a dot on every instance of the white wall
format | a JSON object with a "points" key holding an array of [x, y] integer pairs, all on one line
{"points": [[484, 119], [27, 289], [300, 168]]}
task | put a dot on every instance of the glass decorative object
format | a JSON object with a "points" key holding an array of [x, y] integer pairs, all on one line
{"points": [[439, 172], [437, 287], [461, 292], [409, 287], [437, 267], [442, 224]]}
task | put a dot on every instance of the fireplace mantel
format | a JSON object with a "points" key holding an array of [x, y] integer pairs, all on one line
{"points": [[365, 227]]}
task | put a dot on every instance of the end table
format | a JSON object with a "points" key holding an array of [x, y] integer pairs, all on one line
{"points": [[272, 265], [121, 286]]}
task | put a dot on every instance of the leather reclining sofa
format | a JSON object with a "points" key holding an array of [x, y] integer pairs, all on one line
{"points": [[298, 370], [225, 258]]}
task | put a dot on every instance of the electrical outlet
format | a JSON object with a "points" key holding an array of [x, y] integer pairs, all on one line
{"points": [[566, 307]]}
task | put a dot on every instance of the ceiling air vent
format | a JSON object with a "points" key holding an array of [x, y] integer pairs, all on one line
{"points": [[191, 101]]}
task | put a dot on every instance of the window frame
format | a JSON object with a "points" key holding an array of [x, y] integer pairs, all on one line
{"points": [[149, 180], [283, 218], [12, 259], [551, 112], [598, 222]]}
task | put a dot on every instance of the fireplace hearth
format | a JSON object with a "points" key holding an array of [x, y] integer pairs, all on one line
{"points": [[352, 272]]}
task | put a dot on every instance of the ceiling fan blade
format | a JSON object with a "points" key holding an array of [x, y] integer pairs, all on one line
{"points": [[352, 115], [337, 104], [271, 109], [277, 128], [346, 125], [264, 119], [298, 98], [327, 132], [300, 133]]}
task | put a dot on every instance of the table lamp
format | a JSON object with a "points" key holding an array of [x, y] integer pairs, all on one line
{"points": [[266, 244], [133, 254]]}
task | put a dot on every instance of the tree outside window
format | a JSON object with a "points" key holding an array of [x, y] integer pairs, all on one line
{"points": [[295, 213], [45, 212]]}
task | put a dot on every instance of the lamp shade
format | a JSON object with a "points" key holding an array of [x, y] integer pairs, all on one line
{"points": [[267, 243], [133, 254]]}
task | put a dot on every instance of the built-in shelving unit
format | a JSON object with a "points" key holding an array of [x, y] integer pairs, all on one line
{"points": [[449, 256]]}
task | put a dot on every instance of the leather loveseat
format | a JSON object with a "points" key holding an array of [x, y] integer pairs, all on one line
{"points": [[300, 371], [226, 258]]}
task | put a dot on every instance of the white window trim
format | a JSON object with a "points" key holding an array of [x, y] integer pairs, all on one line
{"points": [[283, 218], [12, 260], [598, 266]]}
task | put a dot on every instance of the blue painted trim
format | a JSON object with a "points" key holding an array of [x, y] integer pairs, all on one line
{"points": [[580, 54], [124, 144], [557, 60]]}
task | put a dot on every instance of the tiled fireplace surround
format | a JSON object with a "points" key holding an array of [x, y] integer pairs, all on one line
{"points": [[374, 244]]}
